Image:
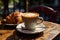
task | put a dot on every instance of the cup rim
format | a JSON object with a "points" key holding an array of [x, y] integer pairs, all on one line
{"points": [[34, 16]]}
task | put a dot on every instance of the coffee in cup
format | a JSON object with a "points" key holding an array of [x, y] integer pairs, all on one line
{"points": [[30, 20]]}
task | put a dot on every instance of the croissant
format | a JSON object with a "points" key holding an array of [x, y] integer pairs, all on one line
{"points": [[13, 18]]}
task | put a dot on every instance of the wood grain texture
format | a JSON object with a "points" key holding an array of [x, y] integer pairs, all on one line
{"points": [[51, 32]]}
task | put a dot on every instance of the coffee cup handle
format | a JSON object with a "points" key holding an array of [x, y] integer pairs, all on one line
{"points": [[40, 20]]}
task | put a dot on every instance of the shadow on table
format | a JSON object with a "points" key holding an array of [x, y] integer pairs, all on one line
{"points": [[8, 27], [21, 36]]}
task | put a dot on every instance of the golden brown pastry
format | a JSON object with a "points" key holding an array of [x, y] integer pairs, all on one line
{"points": [[13, 18]]}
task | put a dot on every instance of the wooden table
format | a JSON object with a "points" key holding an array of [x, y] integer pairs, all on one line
{"points": [[50, 33]]}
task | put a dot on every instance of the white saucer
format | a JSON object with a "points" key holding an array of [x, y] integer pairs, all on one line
{"points": [[39, 29]]}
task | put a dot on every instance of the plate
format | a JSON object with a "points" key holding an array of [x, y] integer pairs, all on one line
{"points": [[10, 24], [39, 28]]}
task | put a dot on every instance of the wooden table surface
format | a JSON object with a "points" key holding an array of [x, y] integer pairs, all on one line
{"points": [[51, 32]]}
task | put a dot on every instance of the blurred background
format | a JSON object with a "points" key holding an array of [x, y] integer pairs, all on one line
{"points": [[9, 6]]}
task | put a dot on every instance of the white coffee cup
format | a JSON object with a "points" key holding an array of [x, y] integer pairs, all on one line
{"points": [[31, 20]]}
